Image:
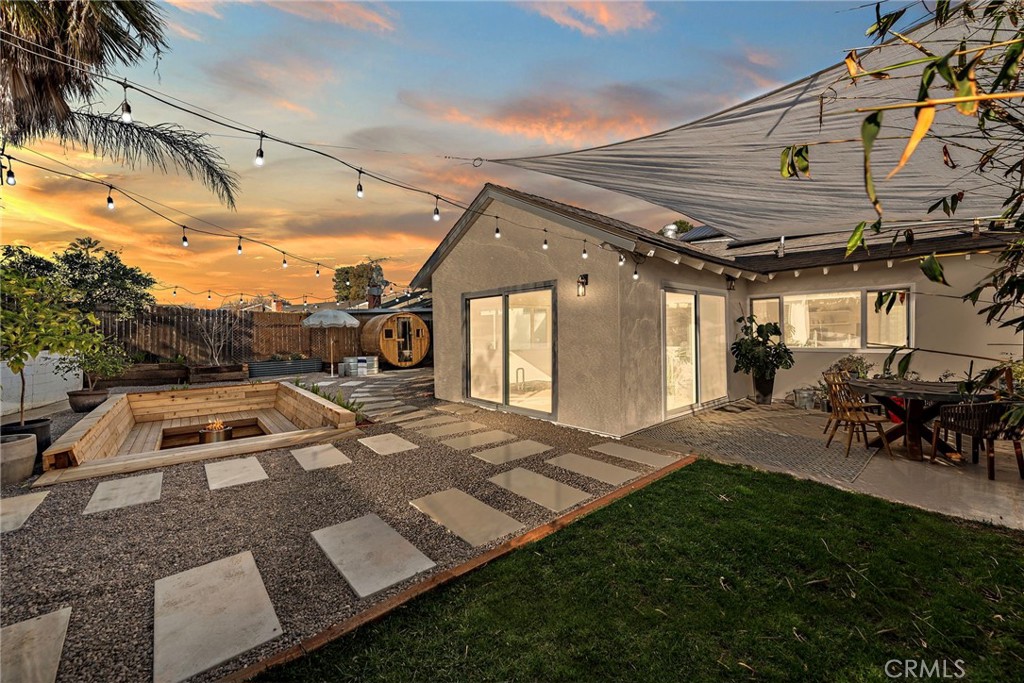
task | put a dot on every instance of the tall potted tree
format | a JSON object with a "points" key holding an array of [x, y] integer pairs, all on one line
{"points": [[103, 361], [33, 319], [758, 354]]}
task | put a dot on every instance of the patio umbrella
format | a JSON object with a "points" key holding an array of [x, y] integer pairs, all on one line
{"points": [[330, 317]]}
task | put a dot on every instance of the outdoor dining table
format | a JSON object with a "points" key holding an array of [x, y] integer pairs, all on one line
{"points": [[921, 402]]}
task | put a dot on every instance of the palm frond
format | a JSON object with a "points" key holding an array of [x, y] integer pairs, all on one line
{"points": [[161, 147]]}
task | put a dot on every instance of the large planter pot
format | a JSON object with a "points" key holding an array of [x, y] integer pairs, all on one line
{"points": [[763, 390], [17, 457], [84, 400], [39, 427]]}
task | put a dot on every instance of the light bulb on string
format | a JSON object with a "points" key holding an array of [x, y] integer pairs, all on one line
{"points": [[636, 272], [175, 292], [347, 282], [437, 209], [497, 230], [126, 109], [284, 261], [318, 270], [584, 254], [259, 152], [11, 180], [359, 185], [545, 245], [184, 237], [209, 295], [240, 299], [110, 198]]}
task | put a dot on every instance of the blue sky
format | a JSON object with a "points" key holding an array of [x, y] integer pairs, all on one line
{"points": [[419, 80]]}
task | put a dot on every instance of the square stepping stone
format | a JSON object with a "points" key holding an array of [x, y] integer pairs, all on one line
{"points": [[370, 554], [353, 383], [387, 444], [30, 650], [635, 454], [388, 412], [457, 409], [15, 511], [328, 383], [415, 415], [390, 403], [471, 520], [120, 493], [434, 421], [499, 455], [207, 615], [449, 429], [554, 495], [595, 469], [320, 456], [227, 473], [462, 443]]}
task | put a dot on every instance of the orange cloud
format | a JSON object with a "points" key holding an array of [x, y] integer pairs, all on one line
{"points": [[594, 18], [288, 105], [183, 31], [207, 7], [364, 16]]}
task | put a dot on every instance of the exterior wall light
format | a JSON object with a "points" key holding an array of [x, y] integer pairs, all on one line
{"points": [[581, 284], [730, 283]]}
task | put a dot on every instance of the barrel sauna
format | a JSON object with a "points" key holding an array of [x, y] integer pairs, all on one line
{"points": [[400, 339]]}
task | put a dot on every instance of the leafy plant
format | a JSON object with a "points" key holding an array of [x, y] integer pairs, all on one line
{"points": [[337, 397], [34, 318], [103, 361], [756, 351]]}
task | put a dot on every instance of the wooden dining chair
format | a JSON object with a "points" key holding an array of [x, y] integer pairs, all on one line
{"points": [[849, 408], [871, 407]]}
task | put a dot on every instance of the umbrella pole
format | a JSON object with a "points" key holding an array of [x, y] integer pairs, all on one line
{"points": [[332, 357]]}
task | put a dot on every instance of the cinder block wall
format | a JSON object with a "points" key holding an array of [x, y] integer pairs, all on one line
{"points": [[42, 384]]}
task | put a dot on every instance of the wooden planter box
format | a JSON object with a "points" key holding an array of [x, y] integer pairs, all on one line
{"points": [[219, 373], [272, 368], [148, 375]]}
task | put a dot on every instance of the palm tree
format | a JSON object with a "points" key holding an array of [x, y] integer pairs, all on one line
{"points": [[54, 54]]}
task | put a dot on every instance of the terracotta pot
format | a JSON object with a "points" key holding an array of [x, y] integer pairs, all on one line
{"points": [[763, 390], [17, 457], [40, 427], [83, 400]]}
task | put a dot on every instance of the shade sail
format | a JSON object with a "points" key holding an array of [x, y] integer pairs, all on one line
{"points": [[723, 170], [330, 317]]}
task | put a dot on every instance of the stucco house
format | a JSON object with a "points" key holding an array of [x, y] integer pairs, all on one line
{"points": [[577, 318]]}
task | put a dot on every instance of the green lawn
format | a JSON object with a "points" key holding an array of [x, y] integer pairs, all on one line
{"points": [[712, 573]]}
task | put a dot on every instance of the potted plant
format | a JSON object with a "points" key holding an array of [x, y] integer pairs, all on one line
{"points": [[33, 319], [759, 355], [101, 362]]}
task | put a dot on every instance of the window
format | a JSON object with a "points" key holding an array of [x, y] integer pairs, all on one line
{"points": [[389, 333], [714, 348], [680, 350], [765, 310], [889, 328], [829, 320]]}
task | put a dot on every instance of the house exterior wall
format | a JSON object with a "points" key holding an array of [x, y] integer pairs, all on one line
{"points": [[941, 321], [589, 390], [43, 385]]}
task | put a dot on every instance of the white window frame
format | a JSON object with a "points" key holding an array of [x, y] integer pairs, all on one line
{"points": [[867, 298]]}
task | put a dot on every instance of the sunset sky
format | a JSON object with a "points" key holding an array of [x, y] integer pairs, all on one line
{"points": [[397, 87]]}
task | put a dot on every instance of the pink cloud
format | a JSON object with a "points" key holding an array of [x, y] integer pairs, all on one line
{"points": [[594, 18], [207, 7], [364, 16], [183, 31]]}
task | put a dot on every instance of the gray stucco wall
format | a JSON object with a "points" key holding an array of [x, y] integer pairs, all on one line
{"points": [[588, 328]]}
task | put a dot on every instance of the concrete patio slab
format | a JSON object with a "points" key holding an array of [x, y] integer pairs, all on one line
{"points": [[554, 495], [462, 443], [319, 457], [468, 518], [353, 383], [15, 511], [382, 405], [434, 421], [119, 493], [635, 454], [370, 554], [595, 469], [500, 455], [407, 417], [388, 412], [220, 475], [207, 615], [387, 444], [450, 429], [457, 409], [30, 650]]}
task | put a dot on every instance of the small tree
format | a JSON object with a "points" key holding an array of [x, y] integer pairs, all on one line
{"points": [[34, 318], [104, 361]]}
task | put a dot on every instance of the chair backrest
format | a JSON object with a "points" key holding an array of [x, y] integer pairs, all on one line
{"points": [[846, 404]]}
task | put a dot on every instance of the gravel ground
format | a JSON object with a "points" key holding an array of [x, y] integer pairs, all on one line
{"points": [[104, 565]]}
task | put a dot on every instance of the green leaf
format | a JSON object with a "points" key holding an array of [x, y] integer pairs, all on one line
{"points": [[932, 270], [786, 163], [868, 133], [1011, 63], [802, 161], [904, 365], [856, 239]]}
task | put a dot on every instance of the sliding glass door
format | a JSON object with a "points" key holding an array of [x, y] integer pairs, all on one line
{"points": [[510, 354], [696, 348]]}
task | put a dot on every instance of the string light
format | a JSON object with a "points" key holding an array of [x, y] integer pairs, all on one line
{"points": [[126, 109], [967, 257], [284, 261], [184, 237], [497, 230], [240, 299], [175, 292], [110, 198], [347, 283], [888, 264], [359, 185], [545, 245], [622, 259], [318, 270], [856, 267], [796, 273], [209, 295], [239, 246], [437, 210], [11, 180], [584, 254], [259, 152], [824, 271], [636, 272]]}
